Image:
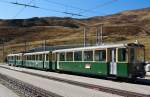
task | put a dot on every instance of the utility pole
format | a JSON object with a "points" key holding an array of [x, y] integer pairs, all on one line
{"points": [[25, 46], [97, 35], [3, 44], [45, 45], [85, 36], [101, 35]]}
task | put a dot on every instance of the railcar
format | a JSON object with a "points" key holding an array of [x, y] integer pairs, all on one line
{"points": [[38, 60], [119, 60], [15, 59]]}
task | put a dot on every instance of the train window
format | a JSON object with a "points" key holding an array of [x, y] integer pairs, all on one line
{"points": [[78, 56], [88, 55], [122, 54], [140, 54], [50, 56], [16, 57], [100, 55], [54, 56], [69, 56], [29, 57], [41, 57], [25, 57], [132, 55], [36, 57], [33, 57], [62, 56], [47, 57]]}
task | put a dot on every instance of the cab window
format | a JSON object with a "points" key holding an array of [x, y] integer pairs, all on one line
{"points": [[100, 55], [140, 54]]}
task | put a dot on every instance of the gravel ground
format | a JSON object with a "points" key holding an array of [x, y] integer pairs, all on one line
{"points": [[5, 92], [60, 88], [107, 83]]}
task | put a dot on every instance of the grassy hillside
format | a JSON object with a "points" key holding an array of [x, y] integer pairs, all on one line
{"points": [[126, 26]]}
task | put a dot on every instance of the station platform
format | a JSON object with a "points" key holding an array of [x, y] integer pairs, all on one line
{"points": [[60, 88], [138, 88]]}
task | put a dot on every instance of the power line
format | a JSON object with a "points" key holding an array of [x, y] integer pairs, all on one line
{"points": [[47, 9], [64, 12], [21, 10], [65, 5], [25, 5]]}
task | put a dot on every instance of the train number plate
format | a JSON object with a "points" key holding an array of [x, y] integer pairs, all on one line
{"points": [[87, 66]]}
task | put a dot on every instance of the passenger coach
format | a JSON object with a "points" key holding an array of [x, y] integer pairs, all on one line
{"points": [[120, 60], [15, 59], [38, 60]]}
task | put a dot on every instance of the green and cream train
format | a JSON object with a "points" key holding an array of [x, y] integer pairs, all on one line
{"points": [[117, 60]]}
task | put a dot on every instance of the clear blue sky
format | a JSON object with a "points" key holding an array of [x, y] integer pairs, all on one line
{"points": [[94, 7]]}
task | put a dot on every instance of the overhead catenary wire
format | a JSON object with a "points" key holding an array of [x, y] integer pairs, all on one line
{"points": [[47, 9], [68, 6], [21, 10], [64, 12], [26, 5]]}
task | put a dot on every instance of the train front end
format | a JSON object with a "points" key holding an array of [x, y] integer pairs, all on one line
{"points": [[136, 60]]}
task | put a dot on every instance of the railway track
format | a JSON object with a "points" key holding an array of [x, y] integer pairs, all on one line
{"points": [[25, 89], [86, 85]]}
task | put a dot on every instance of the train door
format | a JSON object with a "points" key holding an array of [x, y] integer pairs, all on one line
{"points": [[54, 61], [45, 61], [113, 64]]}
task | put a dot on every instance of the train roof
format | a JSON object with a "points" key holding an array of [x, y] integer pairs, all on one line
{"points": [[36, 53], [18, 54], [52, 48], [101, 47]]}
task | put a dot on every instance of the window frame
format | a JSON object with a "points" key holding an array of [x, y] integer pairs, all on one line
{"points": [[64, 59], [105, 55], [80, 57], [126, 55], [72, 59], [91, 50]]}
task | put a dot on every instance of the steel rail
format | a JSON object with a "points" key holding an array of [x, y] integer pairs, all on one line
{"points": [[26, 89]]}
